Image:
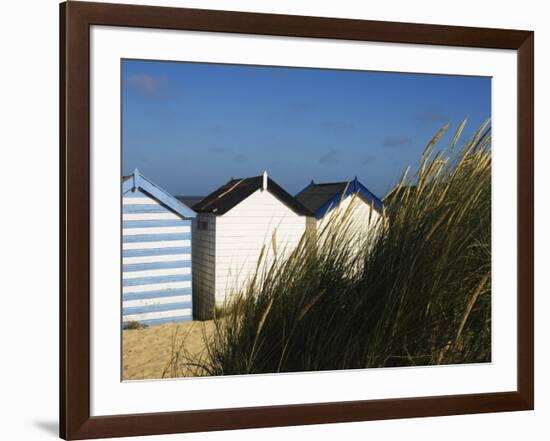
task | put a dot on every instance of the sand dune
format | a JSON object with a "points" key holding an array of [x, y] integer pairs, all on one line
{"points": [[151, 353]]}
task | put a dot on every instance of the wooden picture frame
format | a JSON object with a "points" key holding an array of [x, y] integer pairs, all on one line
{"points": [[75, 21]]}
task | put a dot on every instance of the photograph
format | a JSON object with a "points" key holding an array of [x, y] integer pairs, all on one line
{"points": [[283, 219]]}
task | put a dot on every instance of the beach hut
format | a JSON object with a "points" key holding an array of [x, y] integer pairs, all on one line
{"points": [[235, 225], [327, 199], [156, 254]]}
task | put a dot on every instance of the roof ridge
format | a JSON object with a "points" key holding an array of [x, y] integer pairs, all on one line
{"points": [[224, 193], [330, 183], [234, 191]]}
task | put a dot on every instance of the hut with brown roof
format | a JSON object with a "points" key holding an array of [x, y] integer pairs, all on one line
{"points": [[239, 229]]}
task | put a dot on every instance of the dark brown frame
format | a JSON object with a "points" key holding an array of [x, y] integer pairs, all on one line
{"points": [[75, 21]]}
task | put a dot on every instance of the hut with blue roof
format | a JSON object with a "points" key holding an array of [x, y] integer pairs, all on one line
{"points": [[325, 200], [156, 254]]}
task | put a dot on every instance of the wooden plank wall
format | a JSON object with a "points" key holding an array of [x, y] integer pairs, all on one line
{"points": [[261, 220], [156, 262], [359, 213], [204, 255]]}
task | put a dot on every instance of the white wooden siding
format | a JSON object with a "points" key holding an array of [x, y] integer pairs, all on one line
{"points": [[155, 230], [241, 233], [158, 301], [364, 220], [361, 214], [161, 315], [154, 259]]}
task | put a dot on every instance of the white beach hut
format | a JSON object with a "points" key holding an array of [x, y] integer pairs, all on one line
{"points": [[328, 200], [235, 225], [156, 254]]}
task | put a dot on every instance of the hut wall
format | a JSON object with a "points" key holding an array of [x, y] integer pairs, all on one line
{"points": [[363, 219], [361, 214], [259, 225], [204, 255], [156, 262]]}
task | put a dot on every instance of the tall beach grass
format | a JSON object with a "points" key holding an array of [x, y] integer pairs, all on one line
{"points": [[413, 289]]}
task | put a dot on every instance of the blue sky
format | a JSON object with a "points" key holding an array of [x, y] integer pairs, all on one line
{"points": [[190, 127]]}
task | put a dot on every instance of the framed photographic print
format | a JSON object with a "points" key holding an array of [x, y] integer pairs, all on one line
{"points": [[275, 220]]}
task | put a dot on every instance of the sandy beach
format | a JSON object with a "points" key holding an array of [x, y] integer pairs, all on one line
{"points": [[151, 353]]}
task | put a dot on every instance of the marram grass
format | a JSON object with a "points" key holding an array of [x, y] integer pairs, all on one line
{"points": [[414, 290]]}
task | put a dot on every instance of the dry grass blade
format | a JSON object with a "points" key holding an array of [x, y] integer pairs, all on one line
{"points": [[470, 305], [434, 140], [456, 137]]}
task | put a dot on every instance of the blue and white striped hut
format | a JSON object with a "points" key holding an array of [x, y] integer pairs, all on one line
{"points": [[156, 254]]}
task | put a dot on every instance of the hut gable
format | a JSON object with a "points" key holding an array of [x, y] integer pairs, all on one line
{"points": [[322, 198], [237, 190], [238, 223], [156, 254], [351, 199]]}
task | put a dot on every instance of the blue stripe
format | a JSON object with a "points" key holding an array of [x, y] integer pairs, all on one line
{"points": [[156, 252], [156, 308], [155, 237], [137, 194], [162, 321], [156, 279], [145, 209], [156, 294], [156, 265], [156, 223]]}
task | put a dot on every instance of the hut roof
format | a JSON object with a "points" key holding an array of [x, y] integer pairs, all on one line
{"points": [[189, 200], [137, 180], [321, 198], [235, 191]]}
